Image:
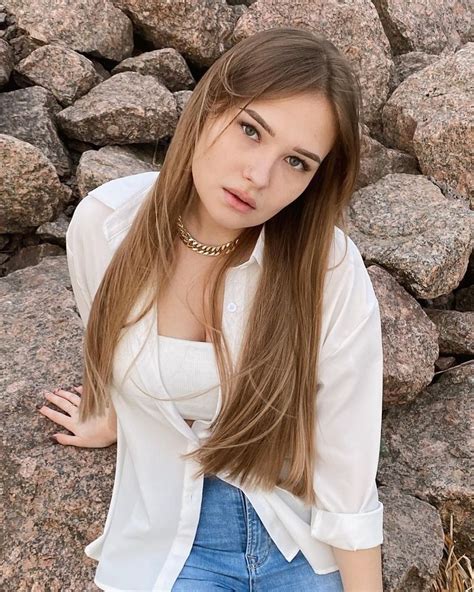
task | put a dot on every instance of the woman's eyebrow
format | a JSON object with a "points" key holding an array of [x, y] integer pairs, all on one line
{"points": [[259, 119]]}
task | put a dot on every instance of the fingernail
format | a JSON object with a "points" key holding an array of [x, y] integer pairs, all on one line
{"points": [[39, 405], [53, 439]]}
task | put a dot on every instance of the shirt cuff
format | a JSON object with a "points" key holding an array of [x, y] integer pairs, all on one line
{"points": [[348, 531]]}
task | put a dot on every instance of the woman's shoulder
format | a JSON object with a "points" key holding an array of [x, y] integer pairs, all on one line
{"points": [[118, 192], [110, 206], [349, 295]]}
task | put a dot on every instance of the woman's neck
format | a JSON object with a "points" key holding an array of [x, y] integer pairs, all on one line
{"points": [[205, 230]]}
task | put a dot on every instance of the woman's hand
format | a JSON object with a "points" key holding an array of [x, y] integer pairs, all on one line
{"points": [[94, 433]]}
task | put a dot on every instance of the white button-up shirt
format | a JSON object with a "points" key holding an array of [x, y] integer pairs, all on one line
{"points": [[155, 505]]}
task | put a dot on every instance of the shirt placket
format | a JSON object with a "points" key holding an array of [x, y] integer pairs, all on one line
{"points": [[233, 319]]}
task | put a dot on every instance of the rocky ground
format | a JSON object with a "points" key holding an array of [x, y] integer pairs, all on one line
{"points": [[92, 91]]}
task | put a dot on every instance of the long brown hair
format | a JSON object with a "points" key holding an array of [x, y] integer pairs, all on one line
{"points": [[267, 418]]}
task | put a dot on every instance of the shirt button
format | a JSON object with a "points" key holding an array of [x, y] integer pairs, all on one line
{"points": [[232, 307]]}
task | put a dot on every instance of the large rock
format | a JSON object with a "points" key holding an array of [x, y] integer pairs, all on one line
{"points": [[405, 224], [55, 497], [95, 27], [410, 340], [67, 74], [352, 25], [6, 62], [200, 31], [425, 26], [110, 162], [128, 108], [413, 542], [30, 188], [456, 330], [167, 65], [376, 161], [427, 452], [29, 115], [431, 115]]}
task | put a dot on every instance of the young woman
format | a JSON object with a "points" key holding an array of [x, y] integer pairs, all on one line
{"points": [[233, 341]]}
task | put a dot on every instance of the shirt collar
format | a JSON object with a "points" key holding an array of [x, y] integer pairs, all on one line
{"points": [[257, 253]]}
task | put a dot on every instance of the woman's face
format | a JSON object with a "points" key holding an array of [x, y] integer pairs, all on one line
{"points": [[270, 153]]}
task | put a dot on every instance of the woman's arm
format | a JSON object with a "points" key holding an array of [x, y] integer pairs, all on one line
{"points": [[361, 571], [347, 514]]}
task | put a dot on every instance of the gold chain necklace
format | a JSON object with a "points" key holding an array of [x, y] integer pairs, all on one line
{"points": [[209, 250]]}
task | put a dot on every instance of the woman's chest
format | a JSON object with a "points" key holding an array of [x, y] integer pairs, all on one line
{"points": [[182, 304]]}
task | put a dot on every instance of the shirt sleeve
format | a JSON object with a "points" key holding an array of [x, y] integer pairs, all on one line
{"points": [[348, 513], [87, 252]]}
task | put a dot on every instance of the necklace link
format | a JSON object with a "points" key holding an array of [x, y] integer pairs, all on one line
{"points": [[198, 247]]}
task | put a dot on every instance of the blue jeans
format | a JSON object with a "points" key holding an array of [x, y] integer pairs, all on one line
{"points": [[232, 550]]}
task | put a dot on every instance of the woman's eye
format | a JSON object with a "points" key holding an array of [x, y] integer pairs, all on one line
{"points": [[244, 126], [304, 166], [248, 126]]}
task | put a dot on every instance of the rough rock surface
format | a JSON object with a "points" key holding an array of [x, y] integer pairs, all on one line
{"points": [[95, 27], [29, 115], [431, 115], [410, 340], [128, 108], [424, 25], [31, 255], [456, 330], [30, 188], [182, 97], [110, 162], [67, 74], [352, 25], [413, 542], [405, 224], [22, 46], [376, 161], [200, 31], [427, 452], [6, 62], [55, 496], [409, 63], [167, 65], [54, 231]]}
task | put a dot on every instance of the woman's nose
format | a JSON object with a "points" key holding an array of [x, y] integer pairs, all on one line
{"points": [[258, 173]]}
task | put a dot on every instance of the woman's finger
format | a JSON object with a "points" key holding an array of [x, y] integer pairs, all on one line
{"points": [[72, 397], [58, 417], [67, 440], [78, 389], [64, 400]]}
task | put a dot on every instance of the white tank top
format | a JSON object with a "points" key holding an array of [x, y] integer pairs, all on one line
{"points": [[190, 366]]}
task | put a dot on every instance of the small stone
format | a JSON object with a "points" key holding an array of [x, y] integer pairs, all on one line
{"points": [[29, 114], [89, 26], [96, 167], [406, 225], [30, 188], [167, 65], [67, 74], [128, 108], [456, 331]]}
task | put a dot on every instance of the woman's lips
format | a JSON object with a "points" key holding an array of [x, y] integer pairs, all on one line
{"points": [[237, 203]]}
